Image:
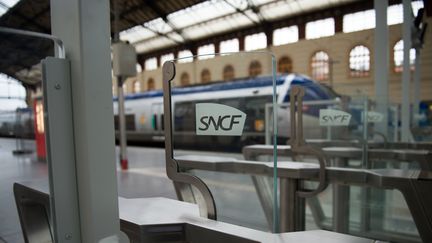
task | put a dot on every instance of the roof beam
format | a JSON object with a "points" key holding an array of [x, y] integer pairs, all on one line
{"points": [[131, 21], [242, 11], [158, 11], [31, 21]]}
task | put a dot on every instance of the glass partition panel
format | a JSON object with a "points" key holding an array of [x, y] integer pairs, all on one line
{"points": [[218, 108], [380, 214]]}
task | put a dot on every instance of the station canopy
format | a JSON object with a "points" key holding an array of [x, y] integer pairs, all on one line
{"points": [[148, 24]]}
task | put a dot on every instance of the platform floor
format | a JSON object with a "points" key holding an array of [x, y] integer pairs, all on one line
{"points": [[234, 194], [145, 178]]}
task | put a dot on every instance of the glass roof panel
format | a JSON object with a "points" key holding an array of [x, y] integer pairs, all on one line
{"points": [[153, 44], [176, 36], [136, 33], [217, 26], [5, 5], [199, 13], [158, 25], [215, 16]]}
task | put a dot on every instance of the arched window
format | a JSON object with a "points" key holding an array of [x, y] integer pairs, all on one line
{"points": [[398, 56], [228, 72], [359, 61], [137, 86], [205, 76], [285, 65], [320, 66], [150, 84], [184, 79], [255, 68]]}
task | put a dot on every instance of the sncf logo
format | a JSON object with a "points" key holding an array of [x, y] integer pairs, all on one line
{"points": [[216, 119]]}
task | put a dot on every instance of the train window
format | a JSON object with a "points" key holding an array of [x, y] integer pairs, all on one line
{"points": [[285, 65], [150, 84], [205, 76], [228, 72], [184, 79], [184, 116], [255, 68], [398, 56], [254, 107], [359, 61], [130, 122], [320, 66]]}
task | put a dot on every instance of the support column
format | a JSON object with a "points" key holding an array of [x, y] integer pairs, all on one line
{"points": [[381, 60], [83, 25], [417, 80], [406, 74]]}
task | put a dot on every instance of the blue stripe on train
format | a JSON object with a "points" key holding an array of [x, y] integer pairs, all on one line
{"points": [[222, 86]]}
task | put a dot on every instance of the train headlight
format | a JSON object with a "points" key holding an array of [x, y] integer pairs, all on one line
{"points": [[259, 125]]}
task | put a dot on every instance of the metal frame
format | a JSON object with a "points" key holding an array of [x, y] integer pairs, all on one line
{"points": [[172, 165], [60, 150], [298, 144], [413, 184]]}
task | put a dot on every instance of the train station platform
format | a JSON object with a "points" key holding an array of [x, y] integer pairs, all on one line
{"points": [[145, 178]]}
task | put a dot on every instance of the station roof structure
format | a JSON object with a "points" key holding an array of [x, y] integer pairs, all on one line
{"points": [[148, 24]]}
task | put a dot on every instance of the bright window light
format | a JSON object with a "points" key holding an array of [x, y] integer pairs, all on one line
{"points": [[362, 20], [229, 46], [320, 28], [150, 64], [285, 35], [395, 12], [255, 41], [137, 86], [166, 57], [206, 49], [185, 56], [398, 56]]}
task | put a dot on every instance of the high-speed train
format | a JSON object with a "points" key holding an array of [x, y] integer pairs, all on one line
{"points": [[144, 111]]}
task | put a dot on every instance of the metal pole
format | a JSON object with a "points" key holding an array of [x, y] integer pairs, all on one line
{"points": [[83, 25], [122, 125], [406, 74], [120, 94], [417, 74], [381, 59]]}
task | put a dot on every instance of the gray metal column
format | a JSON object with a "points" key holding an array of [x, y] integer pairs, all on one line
{"points": [[120, 94], [292, 207], [381, 59], [406, 75], [417, 78], [83, 25], [122, 124]]}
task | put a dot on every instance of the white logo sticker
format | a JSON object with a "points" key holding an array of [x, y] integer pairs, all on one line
{"points": [[374, 116], [217, 119], [329, 117]]}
